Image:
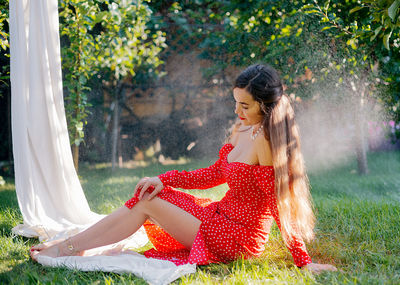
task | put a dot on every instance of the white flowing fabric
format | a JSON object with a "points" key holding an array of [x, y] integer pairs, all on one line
{"points": [[154, 271], [49, 193]]}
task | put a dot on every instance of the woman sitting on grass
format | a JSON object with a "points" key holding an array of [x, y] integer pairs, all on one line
{"points": [[263, 166]]}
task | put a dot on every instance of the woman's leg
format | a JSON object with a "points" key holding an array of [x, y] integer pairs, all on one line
{"points": [[124, 222]]}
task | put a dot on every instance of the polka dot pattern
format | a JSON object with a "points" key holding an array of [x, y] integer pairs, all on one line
{"points": [[235, 227]]}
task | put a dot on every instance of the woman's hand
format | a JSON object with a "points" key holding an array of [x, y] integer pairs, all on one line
{"points": [[144, 185], [317, 268]]}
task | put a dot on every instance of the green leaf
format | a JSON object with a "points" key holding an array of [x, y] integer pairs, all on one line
{"points": [[326, 28], [82, 79], [377, 30], [326, 7], [308, 6], [386, 39], [313, 11], [352, 43], [392, 10], [355, 9], [79, 126]]}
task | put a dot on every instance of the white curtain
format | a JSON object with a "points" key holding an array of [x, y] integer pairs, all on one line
{"points": [[49, 192]]}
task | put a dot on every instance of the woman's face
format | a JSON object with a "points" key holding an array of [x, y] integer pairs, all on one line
{"points": [[247, 109]]}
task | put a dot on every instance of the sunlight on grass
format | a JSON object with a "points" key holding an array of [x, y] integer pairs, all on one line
{"points": [[358, 230], [121, 180]]}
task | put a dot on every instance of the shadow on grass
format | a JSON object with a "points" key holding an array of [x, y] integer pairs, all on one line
{"points": [[9, 212], [30, 272], [8, 199], [5, 228]]}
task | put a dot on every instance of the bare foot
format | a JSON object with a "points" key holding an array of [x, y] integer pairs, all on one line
{"points": [[55, 248]]}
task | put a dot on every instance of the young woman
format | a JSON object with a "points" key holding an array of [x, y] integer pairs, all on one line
{"points": [[263, 166]]}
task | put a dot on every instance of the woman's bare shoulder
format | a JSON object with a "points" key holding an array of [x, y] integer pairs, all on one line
{"points": [[263, 149], [234, 138]]}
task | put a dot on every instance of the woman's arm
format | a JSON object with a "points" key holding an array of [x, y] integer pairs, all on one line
{"points": [[294, 243], [202, 178], [299, 252]]}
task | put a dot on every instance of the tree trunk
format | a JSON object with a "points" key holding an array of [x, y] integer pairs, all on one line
{"points": [[75, 155], [114, 136], [10, 152], [361, 139], [119, 150]]}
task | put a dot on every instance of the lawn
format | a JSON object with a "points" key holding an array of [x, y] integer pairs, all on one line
{"points": [[358, 230]]}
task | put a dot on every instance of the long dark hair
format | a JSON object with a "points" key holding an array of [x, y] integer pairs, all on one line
{"points": [[291, 183]]}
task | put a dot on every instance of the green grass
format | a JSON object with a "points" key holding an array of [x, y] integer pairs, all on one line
{"points": [[358, 230]]}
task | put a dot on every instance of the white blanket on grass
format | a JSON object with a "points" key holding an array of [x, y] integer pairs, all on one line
{"points": [[120, 258], [154, 271]]}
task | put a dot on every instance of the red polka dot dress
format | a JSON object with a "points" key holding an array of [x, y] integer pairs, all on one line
{"points": [[236, 226]]}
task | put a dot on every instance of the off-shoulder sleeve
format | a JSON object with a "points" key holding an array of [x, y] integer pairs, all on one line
{"points": [[202, 178], [265, 180]]}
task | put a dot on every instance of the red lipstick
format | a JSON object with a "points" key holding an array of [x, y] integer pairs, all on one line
{"points": [[241, 118]]}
